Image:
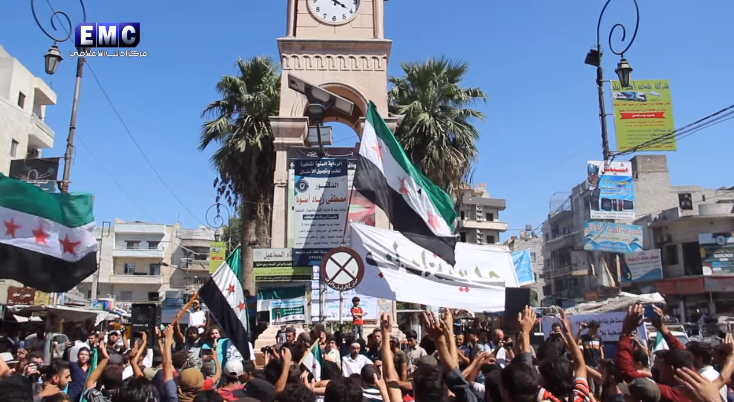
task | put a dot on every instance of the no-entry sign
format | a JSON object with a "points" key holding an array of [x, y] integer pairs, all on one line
{"points": [[342, 269]]}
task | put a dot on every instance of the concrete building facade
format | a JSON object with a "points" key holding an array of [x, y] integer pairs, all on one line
{"points": [[571, 273], [479, 220], [23, 101], [534, 245]]}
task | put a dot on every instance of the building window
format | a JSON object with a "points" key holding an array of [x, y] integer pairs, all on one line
{"points": [[490, 239], [198, 281], [155, 269], [129, 268], [126, 296], [13, 148], [154, 296], [21, 100], [153, 245], [462, 236], [490, 217], [532, 257], [132, 245], [670, 257], [462, 215]]}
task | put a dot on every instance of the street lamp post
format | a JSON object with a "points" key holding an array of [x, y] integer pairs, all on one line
{"points": [[217, 223], [623, 70], [52, 60]]}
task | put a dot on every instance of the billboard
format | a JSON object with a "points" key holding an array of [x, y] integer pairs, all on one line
{"points": [[642, 266], [717, 252], [612, 190], [41, 172], [361, 210], [643, 111], [612, 237], [217, 255], [320, 209], [276, 265]]}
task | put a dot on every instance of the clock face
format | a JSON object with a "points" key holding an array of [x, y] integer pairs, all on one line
{"points": [[334, 12]]}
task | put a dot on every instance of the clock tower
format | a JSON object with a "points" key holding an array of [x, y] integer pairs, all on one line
{"points": [[340, 46]]}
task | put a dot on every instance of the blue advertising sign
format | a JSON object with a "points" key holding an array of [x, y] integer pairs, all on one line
{"points": [[523, 267], [612, 190], [717, 250], [612, 237]]}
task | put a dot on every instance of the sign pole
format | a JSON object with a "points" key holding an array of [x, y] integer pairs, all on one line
{"points": [[341, 312]]}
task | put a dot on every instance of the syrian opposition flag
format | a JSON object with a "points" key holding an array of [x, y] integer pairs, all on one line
{"points": [[313, 361], [415, 206], [225, 299], [47, 240]]}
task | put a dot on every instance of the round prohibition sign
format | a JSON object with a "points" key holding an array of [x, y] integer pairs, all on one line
{"points": [[342, 269]]}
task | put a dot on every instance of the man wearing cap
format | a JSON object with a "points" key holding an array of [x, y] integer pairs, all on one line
{"points": [[400, 359], [331, 351], [197, 318], [257, 389], [355, 361], [231, 374]]}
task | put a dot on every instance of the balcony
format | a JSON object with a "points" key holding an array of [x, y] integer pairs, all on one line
{"points": [[484, 225], [563, 241], [136, 279], [39, 133], [140, 228], [498, 203], [140, 252], [560, 272]]}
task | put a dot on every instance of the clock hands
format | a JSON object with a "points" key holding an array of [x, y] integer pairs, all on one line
{"points": [[339, 3]]}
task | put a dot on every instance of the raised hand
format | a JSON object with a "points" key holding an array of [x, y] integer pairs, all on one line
{"points": [[657, 319], [527, 319], [698, 388], [386, 322], [434, 326]]}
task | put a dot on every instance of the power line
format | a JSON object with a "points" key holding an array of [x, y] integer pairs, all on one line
{"points": [[119, 186], [127, 130]]}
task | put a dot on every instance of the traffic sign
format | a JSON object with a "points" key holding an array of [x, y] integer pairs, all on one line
{"points": [[342, 269]]}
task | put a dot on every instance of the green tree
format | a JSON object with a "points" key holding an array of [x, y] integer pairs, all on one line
{"points": [[437, 132], [238, 125]]}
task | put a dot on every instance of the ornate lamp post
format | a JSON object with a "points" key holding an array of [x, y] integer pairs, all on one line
{"points": [[217, 223], [52, 60], [623, 70]]}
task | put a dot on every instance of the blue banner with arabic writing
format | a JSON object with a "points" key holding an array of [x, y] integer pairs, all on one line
{"points": [[612, 237]]}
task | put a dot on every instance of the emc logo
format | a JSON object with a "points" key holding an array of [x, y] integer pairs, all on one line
{"points": [[123, 34]]}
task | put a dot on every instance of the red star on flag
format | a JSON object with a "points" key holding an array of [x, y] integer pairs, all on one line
{"points": [[11, 227], [403, 190], [40, 236], [461, 288], [378, 150], [230, 289], [69, 246], [433, 221], [241, 306]]}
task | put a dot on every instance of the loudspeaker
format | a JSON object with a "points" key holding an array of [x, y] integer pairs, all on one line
{"points": [[515, 301], [145, 317]]}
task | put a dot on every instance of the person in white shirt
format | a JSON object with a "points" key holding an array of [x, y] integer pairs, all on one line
{"points": [[331, 351], [497, 346], [354, 362], [197, 318], [703, 357]]}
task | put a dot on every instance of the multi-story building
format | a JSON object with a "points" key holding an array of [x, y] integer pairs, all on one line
{"points": [[668, 216], [480, 216], [135, 262], [23, 101], [191, 255]]}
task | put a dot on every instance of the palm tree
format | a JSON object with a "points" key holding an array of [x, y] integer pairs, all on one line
{"points": [[437, 132], [245, 160]]}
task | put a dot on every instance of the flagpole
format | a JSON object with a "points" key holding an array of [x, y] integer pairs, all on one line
{"points": [[310, 349], [349, 204], [185, 308]]}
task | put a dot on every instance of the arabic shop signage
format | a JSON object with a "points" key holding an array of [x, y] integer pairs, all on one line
{"points": [[643, 111], [18, 296], [321, 195], [272, 257], [612, 190]]}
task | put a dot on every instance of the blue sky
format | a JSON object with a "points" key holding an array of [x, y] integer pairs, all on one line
{"points": [[541, 117]]}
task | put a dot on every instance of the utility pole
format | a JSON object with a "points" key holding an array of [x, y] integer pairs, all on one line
{"points": [[106, 225], [64, 187]]}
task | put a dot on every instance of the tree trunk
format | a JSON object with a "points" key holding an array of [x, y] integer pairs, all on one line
{"points": [[249, 226]]}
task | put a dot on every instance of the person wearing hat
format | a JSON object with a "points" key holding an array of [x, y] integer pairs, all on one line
{"points": [[197, 318], [642, 390], [355, 361], [399, 358], [231, 374]]}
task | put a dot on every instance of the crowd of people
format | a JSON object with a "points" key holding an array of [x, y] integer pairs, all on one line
{"points": [[201, 365]]}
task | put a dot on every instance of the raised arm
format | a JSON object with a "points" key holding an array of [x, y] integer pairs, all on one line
{"points": [[389, 371], [573, 347], [94, 376]]}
